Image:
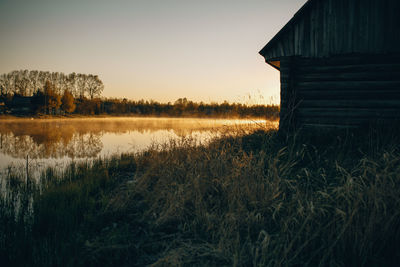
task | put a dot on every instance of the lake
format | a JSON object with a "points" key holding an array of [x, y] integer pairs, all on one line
{"points": [[57, 142]]}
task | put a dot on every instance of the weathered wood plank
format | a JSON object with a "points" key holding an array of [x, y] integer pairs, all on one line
{"points": [[350, 59], [349, 85], [339, 120], [349, 76], [315, 126], [347, 112], [323, 103], [348, 95], [348, 68], [335, 27]]}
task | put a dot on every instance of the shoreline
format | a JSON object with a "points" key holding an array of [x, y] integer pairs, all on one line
{"points": [[230, 197], [4, 118]]}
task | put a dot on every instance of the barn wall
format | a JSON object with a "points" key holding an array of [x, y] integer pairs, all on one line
{"points": [[288, 94], [341, 91], [334, 27]]}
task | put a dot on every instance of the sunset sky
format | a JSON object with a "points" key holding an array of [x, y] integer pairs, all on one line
{"points": [[205, 50]]}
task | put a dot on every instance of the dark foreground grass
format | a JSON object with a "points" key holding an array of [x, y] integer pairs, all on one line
{"points": [[247, 200]]}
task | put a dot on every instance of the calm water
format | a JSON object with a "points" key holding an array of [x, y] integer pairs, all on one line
{"points": [[57, 142]]}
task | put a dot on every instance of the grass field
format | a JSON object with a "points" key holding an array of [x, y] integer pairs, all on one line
{"points": [[259, 199]]}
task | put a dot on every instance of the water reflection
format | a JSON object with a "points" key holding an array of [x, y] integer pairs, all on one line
{"points": [[56, 141], [54, 145]]}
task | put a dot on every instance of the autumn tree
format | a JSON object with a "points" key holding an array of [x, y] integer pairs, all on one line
{"points": [[67, 102], [52, 99]]}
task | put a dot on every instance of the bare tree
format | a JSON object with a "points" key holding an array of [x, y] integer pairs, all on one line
{"points": [[34, 79], [3, 85], [94, 85], [22, 82], [72, 84], [27, 83], [43, 77], [82, 84], [10, 84]]}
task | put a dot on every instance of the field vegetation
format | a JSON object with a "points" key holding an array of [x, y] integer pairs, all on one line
{"points": [[258, 199]]}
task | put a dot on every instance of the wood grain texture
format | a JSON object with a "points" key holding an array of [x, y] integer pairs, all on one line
{"points": [[334, 27], [339, 63], [341, 91]]}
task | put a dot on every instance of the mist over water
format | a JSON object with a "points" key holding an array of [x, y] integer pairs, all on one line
{"points": [[57, 142]]}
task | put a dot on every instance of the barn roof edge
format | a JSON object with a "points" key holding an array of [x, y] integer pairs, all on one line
{"points": [[287, 26]]}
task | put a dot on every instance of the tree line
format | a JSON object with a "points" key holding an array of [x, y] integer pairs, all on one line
{"points": [[27, 83], [186, 108], [39, 92]]}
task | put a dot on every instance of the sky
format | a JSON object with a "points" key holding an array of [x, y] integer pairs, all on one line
{"points": [[162, 50]]}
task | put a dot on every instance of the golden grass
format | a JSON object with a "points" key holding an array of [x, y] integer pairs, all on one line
{"points": [[243, 200]]}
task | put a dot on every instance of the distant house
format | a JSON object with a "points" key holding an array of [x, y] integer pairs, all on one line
{"points": [[21, 104], [339, 63]]}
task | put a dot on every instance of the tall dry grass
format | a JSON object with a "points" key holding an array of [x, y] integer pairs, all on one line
{"points": [[264, 200], [257, 199]]}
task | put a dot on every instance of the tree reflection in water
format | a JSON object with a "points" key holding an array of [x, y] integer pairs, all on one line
{"points": [[55, 143], [51, 144], [83, 138]]}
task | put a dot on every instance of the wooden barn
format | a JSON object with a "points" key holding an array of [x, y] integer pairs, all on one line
{"points": [[339, 63]]}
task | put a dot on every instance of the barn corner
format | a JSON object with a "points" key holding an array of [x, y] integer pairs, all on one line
{"points": [[339, 63]]}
